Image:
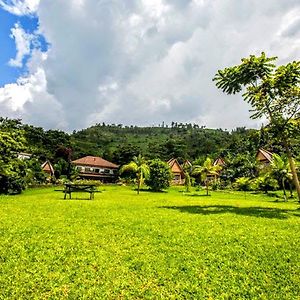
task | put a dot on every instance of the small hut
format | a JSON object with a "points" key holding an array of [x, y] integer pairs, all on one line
{"points": [[219, 162], [187, 165], [48, 168], [177, 171], [264, 156]]}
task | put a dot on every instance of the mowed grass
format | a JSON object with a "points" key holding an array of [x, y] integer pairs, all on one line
{"points": [[151, 246]]}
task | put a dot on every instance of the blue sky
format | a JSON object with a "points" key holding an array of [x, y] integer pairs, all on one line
{"points": [[10, 74], [8, 49], [135, 61]]}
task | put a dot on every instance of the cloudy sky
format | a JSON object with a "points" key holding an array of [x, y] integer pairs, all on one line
{"points": [[71, 63]]}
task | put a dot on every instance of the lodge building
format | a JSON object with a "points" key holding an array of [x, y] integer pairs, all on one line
{"points": [[94, 167]]}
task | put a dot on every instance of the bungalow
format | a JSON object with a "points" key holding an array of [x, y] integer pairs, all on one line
{"points": [[187, 165], [48, 168], [93, 167], [264, 156], [177, 171], [219, 162]]}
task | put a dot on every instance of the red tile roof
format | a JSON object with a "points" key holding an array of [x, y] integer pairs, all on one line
{"points": [[95, 161]]}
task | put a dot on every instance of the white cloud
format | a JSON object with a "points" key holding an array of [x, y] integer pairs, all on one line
{"points": [[29, 99], [20, 7], [23, 42], [144, 62]]}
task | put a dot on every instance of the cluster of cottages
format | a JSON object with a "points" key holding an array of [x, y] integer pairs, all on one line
{"points": [[97, 168]]}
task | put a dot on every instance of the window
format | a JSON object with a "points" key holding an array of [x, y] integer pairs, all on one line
{"points": [[177, 177]]}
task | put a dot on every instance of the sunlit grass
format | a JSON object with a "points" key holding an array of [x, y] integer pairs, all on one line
{"points": [[152, 246]]}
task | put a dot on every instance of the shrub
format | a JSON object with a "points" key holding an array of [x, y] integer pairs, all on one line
{"points": [[160, 175], [34, 173], [243, 184], [13, 180], [266, 183], [87, 181], [217, 185]]}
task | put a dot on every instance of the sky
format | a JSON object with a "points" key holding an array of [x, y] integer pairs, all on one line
{"points": [[70, 64]]}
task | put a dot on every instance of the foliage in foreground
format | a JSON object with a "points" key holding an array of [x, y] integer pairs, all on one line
{"points": [[273, 92]]}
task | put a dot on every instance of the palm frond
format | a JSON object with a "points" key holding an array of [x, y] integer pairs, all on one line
{"points": [[145, 170], [132, 166]]}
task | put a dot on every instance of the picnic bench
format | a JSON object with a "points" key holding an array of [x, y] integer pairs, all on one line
{"points": [[70, 188]]}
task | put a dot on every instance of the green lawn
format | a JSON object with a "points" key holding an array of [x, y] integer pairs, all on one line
{"points": [[151, 246]]}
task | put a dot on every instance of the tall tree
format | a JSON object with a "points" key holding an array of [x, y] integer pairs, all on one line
{"points": [[273, 92], [139, 166], [12, 170]]}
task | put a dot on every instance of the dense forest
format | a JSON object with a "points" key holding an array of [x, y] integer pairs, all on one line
{"points": [[119, 143]]}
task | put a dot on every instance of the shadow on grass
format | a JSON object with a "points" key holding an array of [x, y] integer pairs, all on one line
{"points": [[260, 212], [150, 191], [74, 199]]}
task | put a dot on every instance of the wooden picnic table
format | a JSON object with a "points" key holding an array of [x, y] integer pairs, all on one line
{"points": [[73, 187]]}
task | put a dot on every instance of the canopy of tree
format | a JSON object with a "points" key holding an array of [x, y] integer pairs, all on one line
{"points": [[273, 93]]}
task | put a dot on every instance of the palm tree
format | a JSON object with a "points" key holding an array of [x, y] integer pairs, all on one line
{"points": [[280, 169], [188, 170], [139, 166], [208, 169]]}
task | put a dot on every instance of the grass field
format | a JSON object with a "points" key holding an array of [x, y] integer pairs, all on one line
{"points": [[151, 246]]}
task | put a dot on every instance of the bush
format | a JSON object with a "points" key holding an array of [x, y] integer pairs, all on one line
{"points": [[243, 184], [87, 181], [217, 185], [160, 175], [34, 173], [13, 180], [11, 186], [266, 183]]}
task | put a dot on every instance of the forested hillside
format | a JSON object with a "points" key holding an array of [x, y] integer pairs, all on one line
{"points": [[120, 143], [186, 141]]}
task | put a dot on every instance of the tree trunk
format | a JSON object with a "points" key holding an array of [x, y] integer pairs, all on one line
{"points": [[139, 184], [206, 184], [69, 170], [293, 169], [291, 190], [283, 186]]}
